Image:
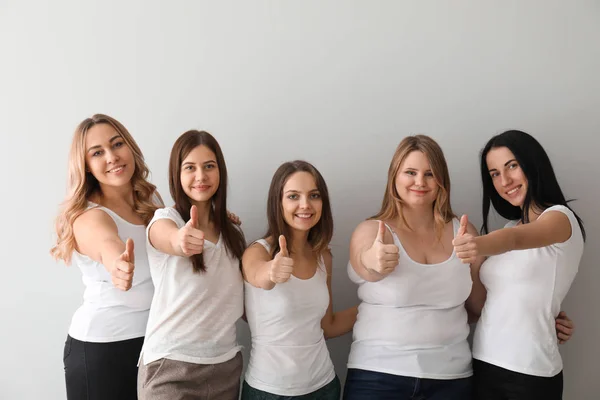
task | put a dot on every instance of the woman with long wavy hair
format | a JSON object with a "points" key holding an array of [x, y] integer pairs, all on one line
{"points": [[101, 230]]}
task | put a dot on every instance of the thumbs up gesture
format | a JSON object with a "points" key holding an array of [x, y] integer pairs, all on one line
{"points": [[122, 270], [190, 239], [384, 256], [282, 266], [464, 243]]}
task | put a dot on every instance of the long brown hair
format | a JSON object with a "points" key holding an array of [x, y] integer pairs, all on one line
{"points": [[391, 207], [319, 235], [234, 240], [82, 185]]}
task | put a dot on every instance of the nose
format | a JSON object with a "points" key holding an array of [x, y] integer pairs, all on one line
{"points": [[419, 180], [303, 202], [200, 175], [505, 179], [111, 157]]}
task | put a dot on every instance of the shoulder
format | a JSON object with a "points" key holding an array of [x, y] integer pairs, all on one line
{"points": [[258, 249], [167, 213], [94, 218]]}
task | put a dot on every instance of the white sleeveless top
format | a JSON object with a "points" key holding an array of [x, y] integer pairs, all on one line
{"points": [[289, 356], [109, 314], [525, 289], [193, 314], [414, 322]]}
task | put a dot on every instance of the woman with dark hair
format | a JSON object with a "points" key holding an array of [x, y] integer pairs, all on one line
{"points": [[531, 265], [194, 253], [288, 292]]}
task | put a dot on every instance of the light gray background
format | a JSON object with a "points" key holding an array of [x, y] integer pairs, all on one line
{"points": [[335, 83]]}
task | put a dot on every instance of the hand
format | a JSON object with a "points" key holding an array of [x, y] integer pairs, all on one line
{"points": [[464, 243], [282, 265], [385, 256], [234, 218], [122, 269], [564, 327], [190, 239]]}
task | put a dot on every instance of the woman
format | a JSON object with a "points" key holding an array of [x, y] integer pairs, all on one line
{"points": [[532, 263], [101, 230], [410, 338], [194, 251], [288, 292]]}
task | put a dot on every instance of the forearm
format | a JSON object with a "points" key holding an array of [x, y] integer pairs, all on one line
{"points": [[341, 323], [110, 250], [258, 275], [497, 242]]}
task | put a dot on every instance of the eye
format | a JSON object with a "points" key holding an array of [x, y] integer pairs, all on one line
{"points": [[209, 166], [411, 173], [188, 167], [118, 144], [494, 174], [315, 196], [97, 153], [293, 196], [430, 174], [513, 166]]}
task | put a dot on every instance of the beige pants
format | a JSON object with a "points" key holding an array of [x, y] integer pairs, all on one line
{"points": [[166, 379]]}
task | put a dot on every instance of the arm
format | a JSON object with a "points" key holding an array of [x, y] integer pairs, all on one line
{"points": [[261, 271], [165, 236], [372, 252], [551, 228], [341, 322], [97, 237]]}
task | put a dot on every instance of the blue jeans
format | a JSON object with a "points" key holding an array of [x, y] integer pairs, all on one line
{"points": [[370, 385], [331, 391]]}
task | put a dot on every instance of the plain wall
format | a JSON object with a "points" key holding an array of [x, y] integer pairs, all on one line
{"points": [[336, 83]]}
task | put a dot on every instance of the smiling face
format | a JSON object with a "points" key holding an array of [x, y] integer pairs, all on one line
{"points": [[507, 176], [107, 156], [200, 174], [415, 182], [301, 201]]}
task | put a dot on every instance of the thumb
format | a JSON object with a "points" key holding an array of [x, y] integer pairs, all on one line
{"points": [[283, 246], [193, 217], [380, 232], [464, 221], [129, 255]]}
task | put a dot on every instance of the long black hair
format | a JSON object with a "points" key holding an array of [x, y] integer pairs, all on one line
{"points": [[536, 166]]}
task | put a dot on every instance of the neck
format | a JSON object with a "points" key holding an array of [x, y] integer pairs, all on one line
{"points": [[418, 218], [204, 208], [111, 195], [298, 240]]}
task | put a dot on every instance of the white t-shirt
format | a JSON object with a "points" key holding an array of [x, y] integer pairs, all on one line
{"points": [[525, 289], [193, 314], [414, 322], [109, 314], [289, 356]]}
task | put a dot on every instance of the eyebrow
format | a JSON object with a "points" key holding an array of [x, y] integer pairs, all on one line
{"points": [[204, 163], [505, 164], [297, 191], [414, 169], [112, 139]]}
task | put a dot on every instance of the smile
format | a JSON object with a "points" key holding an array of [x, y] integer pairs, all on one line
{"points": [[116, 169], [514, 190], [303, 216]]}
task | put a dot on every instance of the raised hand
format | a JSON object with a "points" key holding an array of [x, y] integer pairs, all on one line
{"points": [[385, 256], [122, 268], [464, 243], [282, 266], [190, 239]]}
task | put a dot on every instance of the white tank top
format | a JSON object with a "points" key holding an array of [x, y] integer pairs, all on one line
{"points": [[289, 356], [414, 322], [525, 289], [109, 314], [193, 314]]}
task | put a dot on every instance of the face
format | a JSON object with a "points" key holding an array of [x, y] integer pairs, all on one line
{"points": [[107, 156], [200, 174], [302, 204], [415, 182], [508, 177]]}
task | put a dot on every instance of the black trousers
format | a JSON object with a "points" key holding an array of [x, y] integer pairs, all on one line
{"points": [[101, 371], [495, 383]]}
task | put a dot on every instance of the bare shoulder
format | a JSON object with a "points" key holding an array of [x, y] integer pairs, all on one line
{"points": [[366, 232], [94, 220], [256, 251]]}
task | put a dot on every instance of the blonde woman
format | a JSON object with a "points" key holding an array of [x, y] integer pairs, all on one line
{"points": [[101, 229]]}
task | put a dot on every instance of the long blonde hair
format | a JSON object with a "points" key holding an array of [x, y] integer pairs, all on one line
{"points": [[391, 207], [81, 185]]}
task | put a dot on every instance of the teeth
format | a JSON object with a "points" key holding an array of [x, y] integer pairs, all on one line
{"points": [[116, 169], [304, 215], [513, 190]]}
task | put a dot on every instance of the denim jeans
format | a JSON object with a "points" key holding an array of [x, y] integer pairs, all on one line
{"points": [[331, 391], [370, 385]]}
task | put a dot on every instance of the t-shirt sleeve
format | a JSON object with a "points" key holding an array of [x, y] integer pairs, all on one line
{"points": [[161, 213]]}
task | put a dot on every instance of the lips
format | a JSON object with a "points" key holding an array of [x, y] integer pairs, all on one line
{"points": [[303, 215], [201, 188], [116, 169], [514, 190]]}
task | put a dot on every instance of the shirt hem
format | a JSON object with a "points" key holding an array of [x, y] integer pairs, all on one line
{"points": [[420, 374], [289, 392], [105, 339], [148, 357], [519, 370]]}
